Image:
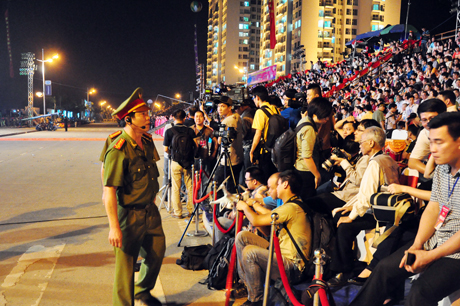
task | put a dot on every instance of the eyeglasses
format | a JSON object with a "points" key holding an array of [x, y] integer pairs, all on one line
{"points": [[363, 141], [247, 180]]}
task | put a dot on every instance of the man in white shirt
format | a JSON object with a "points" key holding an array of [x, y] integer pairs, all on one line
{"points": [[427, 111]]}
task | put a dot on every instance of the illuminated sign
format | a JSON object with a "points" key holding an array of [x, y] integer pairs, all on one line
{"points": [[263, 75]]}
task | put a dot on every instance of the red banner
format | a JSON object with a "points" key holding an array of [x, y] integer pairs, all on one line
{"points": [[271, 9]]}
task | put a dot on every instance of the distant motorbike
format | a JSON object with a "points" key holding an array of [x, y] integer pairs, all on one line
{"points": [[50, 126]]}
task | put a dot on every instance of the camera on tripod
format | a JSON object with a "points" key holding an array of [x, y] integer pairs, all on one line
{"points": [[228, 134], [327, 165]]}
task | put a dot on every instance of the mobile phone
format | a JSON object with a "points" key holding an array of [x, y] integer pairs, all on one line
{"points": [[410, 259]]}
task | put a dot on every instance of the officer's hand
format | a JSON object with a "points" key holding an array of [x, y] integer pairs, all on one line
{"points": [[115, 237]]}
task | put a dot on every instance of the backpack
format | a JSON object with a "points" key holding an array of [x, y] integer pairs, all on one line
{"points": [[217, 277], [323, 237], [214, 252], [277, 125], [285, 148], [182, 147], [278, 296], [192, 258]]}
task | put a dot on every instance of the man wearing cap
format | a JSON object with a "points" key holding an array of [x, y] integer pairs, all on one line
{"points": [[130, 186], [235, 149], [247, 110]]}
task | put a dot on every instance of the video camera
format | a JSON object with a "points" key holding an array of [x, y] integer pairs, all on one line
{"points": [[228, 134]]}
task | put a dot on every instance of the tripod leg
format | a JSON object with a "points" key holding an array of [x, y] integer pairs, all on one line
{"points": [[196, 206]]}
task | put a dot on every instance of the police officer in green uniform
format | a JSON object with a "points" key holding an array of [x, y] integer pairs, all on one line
{"points": [[130, 187]]}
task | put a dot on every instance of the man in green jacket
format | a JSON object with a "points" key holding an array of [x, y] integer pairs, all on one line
{"points": [[130, 186]]}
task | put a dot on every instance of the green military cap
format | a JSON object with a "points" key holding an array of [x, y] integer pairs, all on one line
{"points": [[133, 104]]}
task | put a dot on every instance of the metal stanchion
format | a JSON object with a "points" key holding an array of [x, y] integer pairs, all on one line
{"points": [[195, 182], [169, 207], [318, 262], [214, 188], [270, 259]]}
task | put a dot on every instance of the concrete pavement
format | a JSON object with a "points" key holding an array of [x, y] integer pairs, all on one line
{"points": [[53, 227]]}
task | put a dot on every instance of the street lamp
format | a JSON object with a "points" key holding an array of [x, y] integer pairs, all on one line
{"points": [[242, 70], [43, 72], [89, 91], [178, 96]]}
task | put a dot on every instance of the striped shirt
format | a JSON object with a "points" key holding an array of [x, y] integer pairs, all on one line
{"points": [[443, 183]]}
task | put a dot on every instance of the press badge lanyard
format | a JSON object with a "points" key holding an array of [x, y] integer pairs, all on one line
{"points": [[445, 208]]}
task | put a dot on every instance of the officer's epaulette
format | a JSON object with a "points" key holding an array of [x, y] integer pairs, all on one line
{"points": [[119, 144], [112, 136], [147, 136]]}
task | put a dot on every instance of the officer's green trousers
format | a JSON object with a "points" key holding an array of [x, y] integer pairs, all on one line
{"points": [[142, 235]]}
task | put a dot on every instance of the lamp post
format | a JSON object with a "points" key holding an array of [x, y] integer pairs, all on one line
{"points": [[43, 73], [89, 91], [244, 70]]}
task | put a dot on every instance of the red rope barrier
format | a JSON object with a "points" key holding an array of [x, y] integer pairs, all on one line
{"points": [[195, 193], [219, 226], [284, 278], [229, 284], [279, 259]]}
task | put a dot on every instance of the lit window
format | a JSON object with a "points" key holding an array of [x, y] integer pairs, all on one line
{"points": [[246, 3]]}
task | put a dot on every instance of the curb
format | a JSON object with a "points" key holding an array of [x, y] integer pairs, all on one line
{"points": [[17, 133]]}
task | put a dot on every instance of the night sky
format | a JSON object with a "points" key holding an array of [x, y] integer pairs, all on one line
{"points": [[116, 46]]}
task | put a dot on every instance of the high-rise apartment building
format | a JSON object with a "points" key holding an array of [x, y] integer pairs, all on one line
{"points": [[233, 40], [322, 27]]}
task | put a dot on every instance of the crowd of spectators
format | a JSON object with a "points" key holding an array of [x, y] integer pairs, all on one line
{"points": [[369, 117]]}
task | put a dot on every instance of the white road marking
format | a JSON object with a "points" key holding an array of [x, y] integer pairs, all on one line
{"points": [[33, 255]]}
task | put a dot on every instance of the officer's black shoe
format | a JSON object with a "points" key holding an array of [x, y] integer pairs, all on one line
{"points": [[337, 281], [146, 299]]}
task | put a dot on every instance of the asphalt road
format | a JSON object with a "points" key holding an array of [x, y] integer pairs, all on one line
{"points": [[53, 228]]}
